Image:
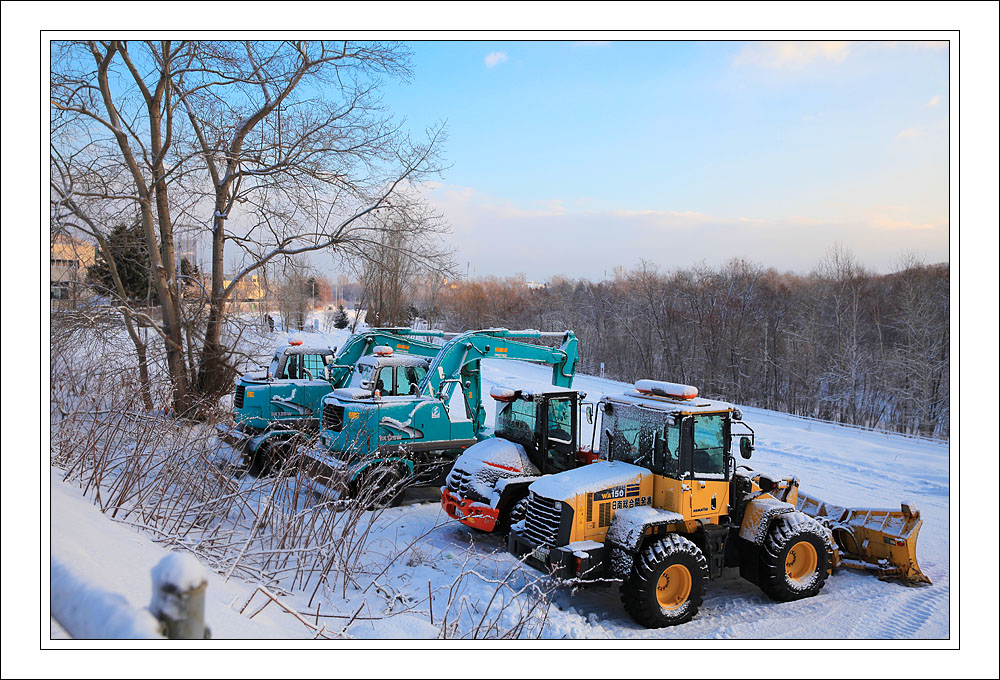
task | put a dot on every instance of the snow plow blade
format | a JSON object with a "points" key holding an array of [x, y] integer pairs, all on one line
{"points": [[874, 539]]}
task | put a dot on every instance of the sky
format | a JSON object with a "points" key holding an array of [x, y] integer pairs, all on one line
{"points": [[572, 158]]}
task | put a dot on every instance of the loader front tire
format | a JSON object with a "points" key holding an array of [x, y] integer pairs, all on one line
{"points": [[511, 515], [795, 558], [667, 583]]}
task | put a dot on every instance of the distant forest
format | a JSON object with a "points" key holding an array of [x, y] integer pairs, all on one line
{"points": [[840, 343]]}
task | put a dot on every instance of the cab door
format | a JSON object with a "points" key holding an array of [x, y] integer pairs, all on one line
{"points": [[558, 435], [709, 478]]}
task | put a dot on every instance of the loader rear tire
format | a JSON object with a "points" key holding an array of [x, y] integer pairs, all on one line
{"points": [[795, 558], [667, 583]]}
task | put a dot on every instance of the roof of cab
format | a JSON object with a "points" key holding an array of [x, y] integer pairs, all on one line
{"points": [[395, 360], [670, 405], [306, 349]]}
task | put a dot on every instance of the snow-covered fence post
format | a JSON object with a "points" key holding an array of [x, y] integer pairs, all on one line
{"points": [[179, 585]]}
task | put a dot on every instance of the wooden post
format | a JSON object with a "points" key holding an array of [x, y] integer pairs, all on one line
{"points": [[179, 586]]}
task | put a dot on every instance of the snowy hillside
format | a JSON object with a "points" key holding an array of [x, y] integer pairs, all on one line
{"points": [[422, 575]]}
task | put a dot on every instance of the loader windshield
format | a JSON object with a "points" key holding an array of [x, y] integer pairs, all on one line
{"points": [[516, 422], [629, 434]]}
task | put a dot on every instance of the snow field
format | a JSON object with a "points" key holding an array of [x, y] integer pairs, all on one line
{"points": [[423, 575]]}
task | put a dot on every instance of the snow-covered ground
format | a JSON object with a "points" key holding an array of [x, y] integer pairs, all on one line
{"points": [[428, 576]]}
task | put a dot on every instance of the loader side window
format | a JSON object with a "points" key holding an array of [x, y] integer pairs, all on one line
{"points": [[668, 463], [709, 451]]}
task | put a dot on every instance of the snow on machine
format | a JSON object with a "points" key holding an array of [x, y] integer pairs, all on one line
{"points": [[536, 433], [274, 405], [669, 510]]}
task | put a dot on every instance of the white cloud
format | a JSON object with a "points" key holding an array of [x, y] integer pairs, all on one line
{"points": [[788, 54], [490, 233], [884, 222], [794, 55], [935, 100], [494, 58]]}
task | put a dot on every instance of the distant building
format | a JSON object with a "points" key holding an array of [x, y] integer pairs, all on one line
{"points": [[534, 285], [69, 259], [248, 295]]}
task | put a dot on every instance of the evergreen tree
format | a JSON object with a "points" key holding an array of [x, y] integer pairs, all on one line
{"points": [[340, 317], [131, 256]]}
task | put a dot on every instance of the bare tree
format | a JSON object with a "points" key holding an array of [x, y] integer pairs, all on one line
{"points": [[389, 263], [278, 148]]}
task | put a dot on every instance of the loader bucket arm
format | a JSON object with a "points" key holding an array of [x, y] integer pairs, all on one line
{"points": [[875, 539]]}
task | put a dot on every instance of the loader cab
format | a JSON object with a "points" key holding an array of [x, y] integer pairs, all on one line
{"points": [[684, 442], [546, 424]]}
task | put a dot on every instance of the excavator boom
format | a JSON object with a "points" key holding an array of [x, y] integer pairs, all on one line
{"points": [[403, 340]]}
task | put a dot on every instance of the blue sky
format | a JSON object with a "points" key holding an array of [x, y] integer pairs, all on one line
{"points": [[572, 158]]}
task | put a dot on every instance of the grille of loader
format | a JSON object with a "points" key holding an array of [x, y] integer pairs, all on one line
{"points": [[541, 522], [240, 393]]}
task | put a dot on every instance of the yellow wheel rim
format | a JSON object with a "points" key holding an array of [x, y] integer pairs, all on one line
{"points": [[801, 561], [673, 587]]}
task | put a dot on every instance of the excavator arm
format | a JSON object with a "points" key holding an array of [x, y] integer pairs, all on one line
{"points": [[362, 344], [459, 360]]}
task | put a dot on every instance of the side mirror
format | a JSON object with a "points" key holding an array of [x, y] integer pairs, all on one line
{"points": [[590, 414], [746, 448]]}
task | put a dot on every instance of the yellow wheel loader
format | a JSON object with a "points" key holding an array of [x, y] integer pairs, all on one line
{"points": [[669, 510]]}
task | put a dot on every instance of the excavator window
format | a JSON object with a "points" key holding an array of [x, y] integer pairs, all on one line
{"points": [[362, 373], [292, 367], [407, 379], [314, 364]]}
